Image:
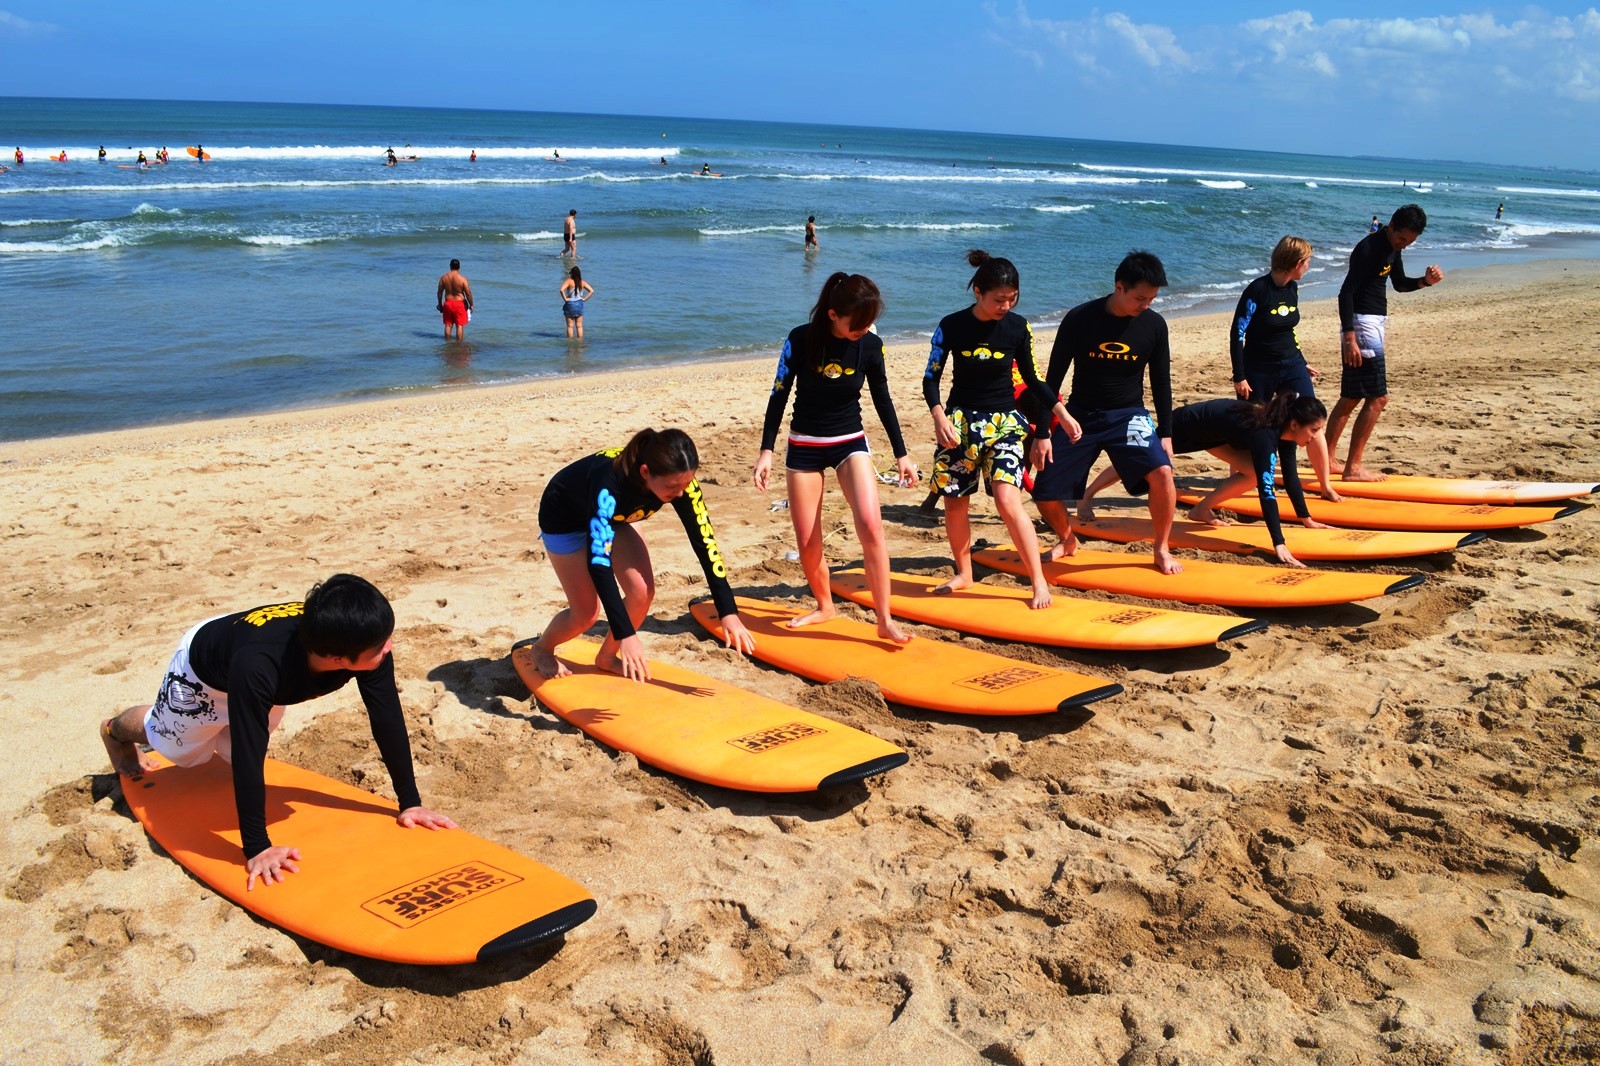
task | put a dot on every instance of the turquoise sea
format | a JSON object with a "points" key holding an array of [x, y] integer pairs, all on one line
{"points": [[294, 269]]}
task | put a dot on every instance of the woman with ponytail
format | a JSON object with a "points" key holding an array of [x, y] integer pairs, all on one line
{"points": [[586, 519], [1258, 443], [981, 433], [825, 363]]}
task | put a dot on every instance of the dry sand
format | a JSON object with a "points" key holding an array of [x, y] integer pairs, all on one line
{"points": [[1367, 835]]}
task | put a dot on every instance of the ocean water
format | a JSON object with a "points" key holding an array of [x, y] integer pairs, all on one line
{"points": [[294, 269]]}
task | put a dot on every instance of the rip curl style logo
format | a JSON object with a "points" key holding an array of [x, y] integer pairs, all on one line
{"points": [[262, 615], [410, 905], [1140, 430]]}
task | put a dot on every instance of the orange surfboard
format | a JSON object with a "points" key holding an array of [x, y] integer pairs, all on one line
{"points": [[1308, 545], [1404, 515], [1458, 490], [703, 729], [1201, 581], [1003, 611], [931, 674], [366, 885], [197, 154]]}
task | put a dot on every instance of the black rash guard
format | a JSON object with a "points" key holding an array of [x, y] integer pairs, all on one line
{"points": [[1111, 353], [983, 354], [1372, 262], [1263, 330], [256, 658], [1198, 427], [827, 396], [589, 496]]}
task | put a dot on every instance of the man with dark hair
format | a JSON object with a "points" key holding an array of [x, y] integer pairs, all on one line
{"points": [[230, 679], [1112, 339], [453, 298], [569, 235], [1375, 263]]}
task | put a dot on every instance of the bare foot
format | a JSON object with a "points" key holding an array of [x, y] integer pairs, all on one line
{"points": [[1041, 597], [1207, 517], [821, 614], [1361, 473], [1167, 563], [547, 664], [955, 584], [888, 630], [126, 758], [1065, 548], [1086, 510], [1335, 466]]}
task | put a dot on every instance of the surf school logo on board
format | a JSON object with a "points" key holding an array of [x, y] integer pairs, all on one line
{"points": [[1130, 617], [1000, 680], [410, 905], [1291, 578], [1357, 535], [775, 737]]}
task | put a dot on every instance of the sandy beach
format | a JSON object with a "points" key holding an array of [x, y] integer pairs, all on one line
{"points": [[1367, 835]]}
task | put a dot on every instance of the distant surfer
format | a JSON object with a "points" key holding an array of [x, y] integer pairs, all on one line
{"points": [[199, 153], [980, 433], [392, 161], [474, 157], [587, 519], [228, 683], [1375, 264], [102, 153], [811, 234], [1112, 340], [574, 293], [1265, 348], [1374, 226], [142, 161], [162, 155], [705, 169], [1257, 441], [17, 155], [825, 362], [1499, 211], [453, 297], [569, 235]]}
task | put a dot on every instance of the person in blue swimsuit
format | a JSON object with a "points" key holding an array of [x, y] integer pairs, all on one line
{"points": [[574, 291]]}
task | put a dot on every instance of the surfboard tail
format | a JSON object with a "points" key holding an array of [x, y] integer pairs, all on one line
{"points": [[851, 774], [543, 928], [1094, 695], [1405, 584], [1255, 625], [1476, 537]]}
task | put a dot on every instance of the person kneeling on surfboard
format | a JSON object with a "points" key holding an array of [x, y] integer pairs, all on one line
{"points": [[230, 679], [1258, 443], [586, 519]]}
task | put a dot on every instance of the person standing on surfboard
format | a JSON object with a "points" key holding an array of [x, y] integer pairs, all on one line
{"points": [[228, 683], [453, 298], [586, 519], [825, 362], [1265, 348], [1375, 263], [1258, 443], [980, 432], [1112, 338]]}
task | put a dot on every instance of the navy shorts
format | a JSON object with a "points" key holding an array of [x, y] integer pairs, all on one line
{"points": [[1267, 381], [1364, 382], [815, 458], [1127, 435]]}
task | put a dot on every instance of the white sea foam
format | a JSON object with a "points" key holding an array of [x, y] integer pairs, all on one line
{"points": [[1063, 209], [112, 240], [281, 240], [152, 209], [743, 230], [1249, 175], [37, 221], [542, 235], [1222, 184], [1535, 190]]}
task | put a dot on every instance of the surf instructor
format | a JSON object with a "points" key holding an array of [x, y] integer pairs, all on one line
{"points": [[228, 683]]}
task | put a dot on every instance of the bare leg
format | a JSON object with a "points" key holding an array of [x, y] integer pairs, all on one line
{"points": [[1102, 481], [580, 325], [958, 527], [630, 561], [859, 483], [805, 511], [1360, 433], [569, 329], [583, 607], [1008, 501], [1317, 456], [1240, 478], [1055, 515], [1335, 429], [1163, 499], [122, 735]]}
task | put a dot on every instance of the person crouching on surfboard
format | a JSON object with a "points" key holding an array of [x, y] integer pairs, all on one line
{"points": [[230, 679], [826, 361], [586, 519]]}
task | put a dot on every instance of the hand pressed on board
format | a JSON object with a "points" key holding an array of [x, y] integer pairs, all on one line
{"points": [[736, 636], [271, 866], [412, 817], [1287, 558], [630, 656]]}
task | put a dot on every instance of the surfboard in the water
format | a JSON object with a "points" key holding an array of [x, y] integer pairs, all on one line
{"points": [[365, 885], [703, 729], [196, 153], [1004, 611], [932, 674], [1405, 515], [1203, 581], [1308, 545], [1459, 490]]}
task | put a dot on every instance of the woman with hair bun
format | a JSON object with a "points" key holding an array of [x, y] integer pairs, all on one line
{"points": [[586, 519], [980, 432], [824, 363]]}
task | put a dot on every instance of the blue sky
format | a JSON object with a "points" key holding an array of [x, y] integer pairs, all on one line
{"points": [[1497, 83]]}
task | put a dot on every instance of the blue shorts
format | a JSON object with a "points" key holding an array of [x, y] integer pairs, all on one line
{"points": [[814, 458], [1267, 381], [565, 543], [1127, 435]]}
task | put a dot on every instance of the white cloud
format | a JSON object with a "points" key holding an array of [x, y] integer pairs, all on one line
{"points": [[13, 24]]}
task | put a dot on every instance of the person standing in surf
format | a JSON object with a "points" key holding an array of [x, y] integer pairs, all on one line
{"points": [[825, 362], [586, 520], [980, 432], [453, 298], [811, 234], [569, 235], [1375, 264], [1264, 345], [574, 293]]}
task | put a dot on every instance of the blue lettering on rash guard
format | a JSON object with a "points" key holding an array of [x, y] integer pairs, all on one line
{"points": [[600, 532]]}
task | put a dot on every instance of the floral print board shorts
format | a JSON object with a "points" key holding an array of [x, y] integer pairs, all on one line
{"points": [[990, 444]]}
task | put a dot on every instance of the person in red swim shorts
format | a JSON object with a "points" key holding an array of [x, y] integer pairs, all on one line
{"points": [[453, 298]]}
